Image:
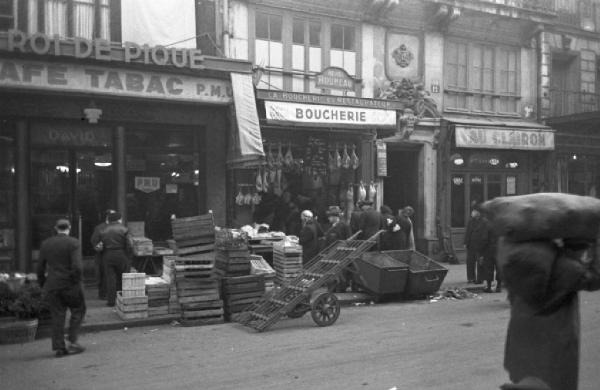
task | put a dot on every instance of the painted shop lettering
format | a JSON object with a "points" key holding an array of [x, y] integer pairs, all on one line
{"points": [[112, 80], [330, 114], [71, 137], [504, 138], [101, 49], [52, 74]]}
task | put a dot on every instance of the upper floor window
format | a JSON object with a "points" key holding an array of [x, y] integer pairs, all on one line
{"points": [[66, 18], [481, 78], [291, 49]]}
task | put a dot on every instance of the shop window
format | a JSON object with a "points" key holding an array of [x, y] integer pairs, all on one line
{"points": [[481, 78], [269, 50], [343, 53], [7, 198], [66, 18], [162, 178]]}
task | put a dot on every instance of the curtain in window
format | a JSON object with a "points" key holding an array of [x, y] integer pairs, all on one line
{"points": [[83, 19], [55, 20], [32, 16], [104, 28]]}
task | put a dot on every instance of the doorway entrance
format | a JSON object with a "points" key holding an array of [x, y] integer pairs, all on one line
{"points": [[70, 183], [401, 186]]}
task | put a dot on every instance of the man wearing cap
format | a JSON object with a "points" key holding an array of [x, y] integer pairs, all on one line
{"points": [[115, 255], [370, 222], [338, 229], [309, 236], [60, 273], [98, 247]]}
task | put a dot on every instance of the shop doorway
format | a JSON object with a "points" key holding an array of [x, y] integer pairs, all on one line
{"points": [[401, 186], [70, 183]]}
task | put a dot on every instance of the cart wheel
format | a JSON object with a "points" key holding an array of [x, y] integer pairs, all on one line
{"points": [[325, 309], [298, 311]]}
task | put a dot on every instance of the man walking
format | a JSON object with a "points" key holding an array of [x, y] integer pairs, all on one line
{"points": [[309, 236], [115, 255], [476, 242], [60, 273], [98, 248]]}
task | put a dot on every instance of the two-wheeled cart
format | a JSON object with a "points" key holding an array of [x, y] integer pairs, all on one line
{"points": [[307, 292]]}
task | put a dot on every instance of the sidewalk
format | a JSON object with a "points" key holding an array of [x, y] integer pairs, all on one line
{"points": [[100, 317]]}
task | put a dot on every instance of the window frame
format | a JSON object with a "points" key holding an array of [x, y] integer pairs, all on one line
{"points": [[288, 71], [469, 89]]}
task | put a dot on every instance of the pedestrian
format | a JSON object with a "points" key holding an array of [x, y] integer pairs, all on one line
{"points": [[370, 221], [489, 267], [98, 248], [543, 279], [476, 242], [115, 255], [355, 216], [60, 273], [338, 230], [405, 227], [389, 238], [309, 236]]}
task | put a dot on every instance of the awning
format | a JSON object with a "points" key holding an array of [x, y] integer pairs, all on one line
{"points": [[486, 133], [246, 144]]}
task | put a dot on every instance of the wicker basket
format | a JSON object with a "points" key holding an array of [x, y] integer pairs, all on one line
{"points": [[15, 331]]}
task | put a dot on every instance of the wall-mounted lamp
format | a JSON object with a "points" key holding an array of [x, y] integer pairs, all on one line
{"points": [[92, 113], [457, 159]]}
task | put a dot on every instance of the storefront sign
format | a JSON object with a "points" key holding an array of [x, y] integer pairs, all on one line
{"points": [[147, 184], [101, 49], [503, 138], [112, 81], [70, 136], [381, 158], [309, 113], [310, 98], [334, 78]]}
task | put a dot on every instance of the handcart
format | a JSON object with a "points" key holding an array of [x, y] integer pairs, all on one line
{"points": [[308, 291]]}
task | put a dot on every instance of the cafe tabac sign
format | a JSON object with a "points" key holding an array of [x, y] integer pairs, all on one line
{"points": [[334, 78], [98, 79]]}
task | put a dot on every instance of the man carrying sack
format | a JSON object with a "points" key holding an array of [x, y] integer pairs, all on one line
{"points": [[546, 254]]}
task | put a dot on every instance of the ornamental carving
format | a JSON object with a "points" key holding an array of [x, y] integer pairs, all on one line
{"points": [[413, 95], [402, 56]]}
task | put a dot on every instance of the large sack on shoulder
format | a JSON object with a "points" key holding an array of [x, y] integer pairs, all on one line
{"points": [[526, 268], [544, 216]]}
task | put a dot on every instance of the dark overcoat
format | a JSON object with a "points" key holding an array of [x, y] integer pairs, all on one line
{"points": [[309, 239]]}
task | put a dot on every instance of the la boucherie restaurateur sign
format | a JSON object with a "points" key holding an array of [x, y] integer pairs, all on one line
{"points": [[34, 74]]}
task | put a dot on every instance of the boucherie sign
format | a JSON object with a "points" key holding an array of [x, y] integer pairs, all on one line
{"points": [[101, 49], [328, 115]]}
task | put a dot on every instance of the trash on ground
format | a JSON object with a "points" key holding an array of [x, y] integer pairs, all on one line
{"points": [[452, 293]]}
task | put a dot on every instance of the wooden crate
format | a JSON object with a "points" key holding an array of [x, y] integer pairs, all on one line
{"points": [[130, 293], [134, 280], [137, 300]]}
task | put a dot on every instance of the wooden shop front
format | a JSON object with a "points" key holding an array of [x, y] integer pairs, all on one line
{"points": [[87, 126], [320, 152]]}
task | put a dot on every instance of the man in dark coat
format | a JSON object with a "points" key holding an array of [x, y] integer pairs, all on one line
{"points": [[115, 255], [338, 229], [97, 245], [543, 333], [476, 242], [389, 239], [60, 273], [370, 222], [309, 236]]}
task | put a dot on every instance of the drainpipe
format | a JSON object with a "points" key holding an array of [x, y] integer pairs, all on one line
{"points": [[226, 33]]}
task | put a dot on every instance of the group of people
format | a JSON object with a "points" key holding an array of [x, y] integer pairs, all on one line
{"points": [[397, 230], [480, 243], [60, 274]]}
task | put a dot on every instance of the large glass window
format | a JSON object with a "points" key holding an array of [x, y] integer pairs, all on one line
{"points": [[481, 78], [66, 18], [289, 47], [162, 178], [7, 198]]}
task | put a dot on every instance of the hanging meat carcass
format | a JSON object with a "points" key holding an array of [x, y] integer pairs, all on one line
{"points": [[362, 192], [259, 183], [372, 192], [346, 161], [288, 159], [355, 162]]}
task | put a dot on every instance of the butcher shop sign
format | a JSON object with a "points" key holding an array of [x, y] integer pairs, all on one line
{"points": [[328, 115]]}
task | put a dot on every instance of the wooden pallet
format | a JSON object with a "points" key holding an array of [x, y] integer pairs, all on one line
{"points": [[193, 227], [242, 284]]}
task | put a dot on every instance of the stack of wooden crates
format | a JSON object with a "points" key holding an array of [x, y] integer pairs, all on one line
{"points": [[132, 301], [287, 261], [197, 285]]}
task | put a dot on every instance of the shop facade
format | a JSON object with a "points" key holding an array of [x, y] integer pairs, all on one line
{"points": [[479, 161], [320, 152], [87, 126]]}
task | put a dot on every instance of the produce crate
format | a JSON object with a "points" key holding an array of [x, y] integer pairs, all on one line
{"points": [[132, 281], [425, 276], [133, 293], [381, 274]]}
